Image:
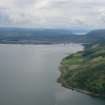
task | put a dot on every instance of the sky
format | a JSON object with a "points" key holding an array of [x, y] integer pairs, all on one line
{"points": [[53, 13]]}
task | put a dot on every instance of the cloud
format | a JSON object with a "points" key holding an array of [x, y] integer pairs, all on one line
{"points": [[53, 13]]}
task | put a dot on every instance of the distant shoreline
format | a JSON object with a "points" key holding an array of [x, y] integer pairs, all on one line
{"points": [[39, 43]]}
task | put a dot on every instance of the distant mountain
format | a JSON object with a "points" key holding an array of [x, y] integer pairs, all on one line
{"points": [[49, 36], [95, 36], [36, 36]]}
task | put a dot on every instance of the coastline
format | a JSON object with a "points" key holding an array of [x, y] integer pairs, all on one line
{"points": [[65, 85]]}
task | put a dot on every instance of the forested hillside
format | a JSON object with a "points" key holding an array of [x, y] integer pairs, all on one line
{"points": [[85, 70]]}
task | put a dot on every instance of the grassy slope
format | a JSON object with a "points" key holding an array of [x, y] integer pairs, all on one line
{"points": [[85, 70]]}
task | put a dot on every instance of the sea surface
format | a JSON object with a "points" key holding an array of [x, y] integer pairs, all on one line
{"points": [[28, 75]]}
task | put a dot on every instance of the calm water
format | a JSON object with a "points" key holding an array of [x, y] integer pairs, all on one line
{"points": [[28, 75]]}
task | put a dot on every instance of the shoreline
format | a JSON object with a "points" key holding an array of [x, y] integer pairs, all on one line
{"points": [[65, 85]]}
